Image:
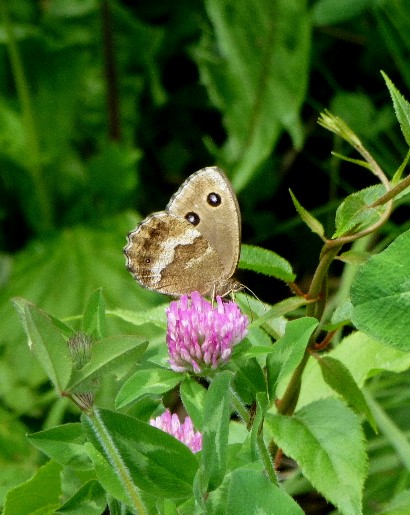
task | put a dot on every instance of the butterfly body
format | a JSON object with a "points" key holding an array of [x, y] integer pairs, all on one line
{"points": [[194, 244]]}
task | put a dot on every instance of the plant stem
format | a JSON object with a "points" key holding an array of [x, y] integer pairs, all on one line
{"points": [[239, 407], [33, 147], [290, 398], [391, 194], [118, 465], [266, 458], [316, 290]]}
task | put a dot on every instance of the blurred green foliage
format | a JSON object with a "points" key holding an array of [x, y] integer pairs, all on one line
{"points": [[105, 107]]}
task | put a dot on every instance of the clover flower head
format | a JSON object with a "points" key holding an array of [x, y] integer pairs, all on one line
{"points": [[184, 431], [200, 336]]}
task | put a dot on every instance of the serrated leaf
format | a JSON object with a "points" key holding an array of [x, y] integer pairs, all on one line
{"points": [[380, 295], [48, 345], [64, 444], [326, 440], [265, 262], [151, 457], [399, 172], [339, 378], [353, 214], [152, 381], [313, 224], [109, 354], [401, 107]]}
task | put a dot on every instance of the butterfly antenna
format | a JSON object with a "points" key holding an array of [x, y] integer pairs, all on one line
{"points": [[256, 297]]}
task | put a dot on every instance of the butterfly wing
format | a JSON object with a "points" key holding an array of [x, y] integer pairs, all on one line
{"points": [[167, 254], [208, 199]]}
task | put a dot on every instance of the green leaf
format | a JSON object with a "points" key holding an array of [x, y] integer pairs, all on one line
{"points": [[256, 441], [313, 224], [93, 322], [401, 107], [48, 345], [13, 141], [354, 257], [380, 295], [106, 475], [338, 377], [288, 351], [326, 440], [151, 381], [193, 397], [362, 355], [110, 354], [395, 435], [256, 97], [265, 262], [155, 316], [20, 303], [329, 12], [40, 494], [150, 458], [353, 214], [249, 379], [62, 270], [215, 431], [254, 308], [250, 491], [340, 317], [64, 444], [399, 173], [90, 499], [398, 505], [281, 308]]}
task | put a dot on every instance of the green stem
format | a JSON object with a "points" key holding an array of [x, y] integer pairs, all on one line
{"points": [[329, 252], [117, 463], [239, 407], [33, 147], [391, 194], [290, 398], [266, 458]]}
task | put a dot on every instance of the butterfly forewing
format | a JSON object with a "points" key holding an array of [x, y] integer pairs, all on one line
{"points": [[194, 244], [218, 222]]}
